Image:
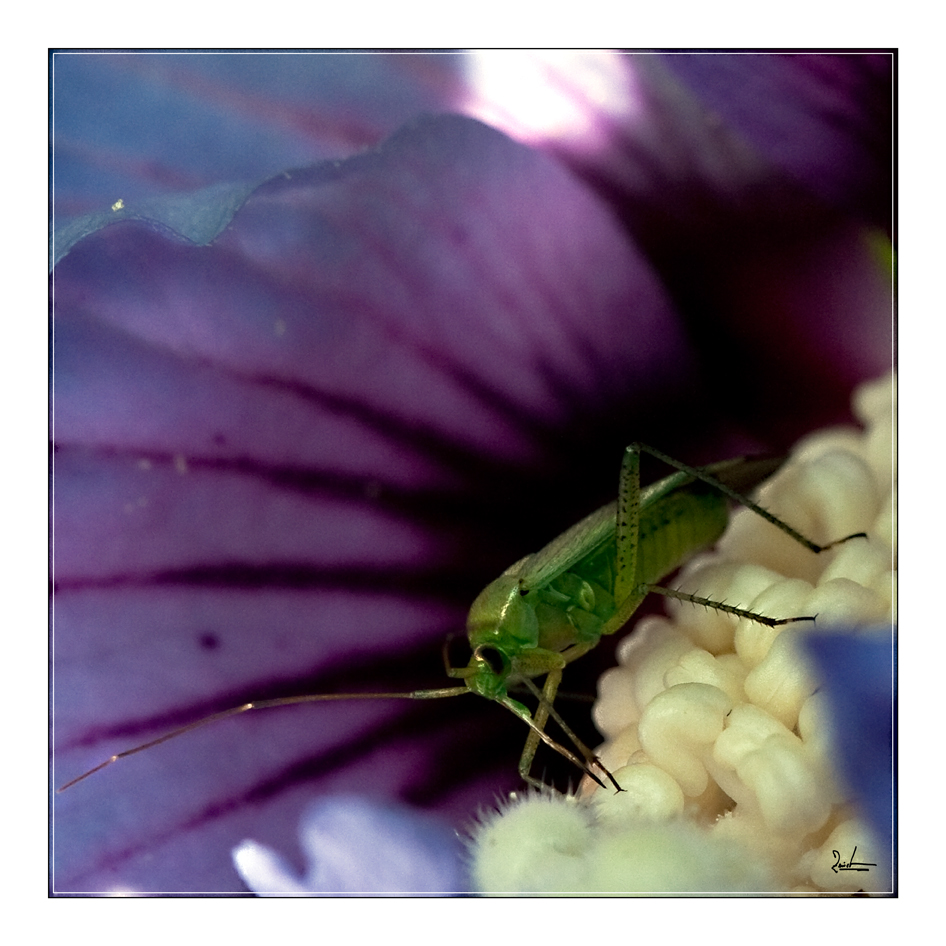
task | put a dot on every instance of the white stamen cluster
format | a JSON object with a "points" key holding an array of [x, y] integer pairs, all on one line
{"points": [[713, 725]]}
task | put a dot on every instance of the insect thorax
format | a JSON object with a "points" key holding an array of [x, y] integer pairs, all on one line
{"points": [[573, 607], [503, 615]]}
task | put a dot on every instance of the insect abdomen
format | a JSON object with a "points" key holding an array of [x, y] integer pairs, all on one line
{"points": [[675, 527]]}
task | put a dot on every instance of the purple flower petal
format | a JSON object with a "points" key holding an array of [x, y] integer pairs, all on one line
{"points": [[140, 125], [717, 133], [738, 207], [353, 846], [286, 463], [730, 213], [277, 452], [198, 217], [626, 122], [826, 119]]}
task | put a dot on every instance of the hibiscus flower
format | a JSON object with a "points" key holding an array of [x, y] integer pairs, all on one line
{"points": [[299, 424]]}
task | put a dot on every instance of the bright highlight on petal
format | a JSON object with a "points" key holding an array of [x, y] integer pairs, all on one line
{"points": [[551, 96], [265, 872], [719, 730], [354, 846]]}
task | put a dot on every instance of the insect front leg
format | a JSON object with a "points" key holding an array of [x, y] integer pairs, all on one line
{"points": [[546, 709], [534, 663], [540, 718], [533, 660]]}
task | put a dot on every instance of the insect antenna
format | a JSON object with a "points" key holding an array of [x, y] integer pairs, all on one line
{"points": [[267, 704]]}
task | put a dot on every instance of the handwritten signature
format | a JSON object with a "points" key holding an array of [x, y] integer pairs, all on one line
{"points": [[840, 865]]}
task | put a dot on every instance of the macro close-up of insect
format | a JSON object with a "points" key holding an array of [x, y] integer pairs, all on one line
{"points": [[348, 353], [552, 607]]}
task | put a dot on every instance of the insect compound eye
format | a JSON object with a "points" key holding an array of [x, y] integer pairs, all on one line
{"points": [[493, 657]]}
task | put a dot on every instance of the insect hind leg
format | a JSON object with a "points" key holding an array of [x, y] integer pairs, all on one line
{"points": [[727, 608], [716, 477]]}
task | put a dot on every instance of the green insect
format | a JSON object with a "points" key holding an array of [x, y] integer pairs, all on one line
{"points": [[552, 607]]}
